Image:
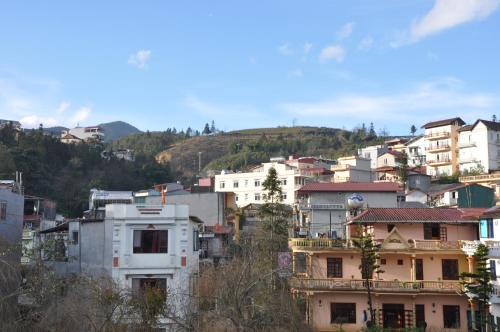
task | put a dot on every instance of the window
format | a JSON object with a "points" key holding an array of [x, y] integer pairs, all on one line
{"points": [[283, 182], [343, 313], [450, 269], [235, 184], [150, 242], [300, 262], [246, 183], [453, 194], [222, 185], [486, 228], [451, 316], [400, 262], [3, 210], [431, 232], [383, 261], [236, 198], [283, 196], [390, 227], [246, 197], [145, 284], [74, 237], [333, 267], [257, 197], [493, 269], [196, 240], [257, 183]]}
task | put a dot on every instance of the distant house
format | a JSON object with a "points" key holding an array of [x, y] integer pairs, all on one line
{"points": [[353, 169], [70, 139], [86, 134], [454, 195], [15, 124]]}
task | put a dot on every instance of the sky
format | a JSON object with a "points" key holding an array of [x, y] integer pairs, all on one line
{"points": [[247, 64]]}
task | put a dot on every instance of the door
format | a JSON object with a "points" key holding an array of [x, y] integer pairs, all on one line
{"points": [[420, 315], [419, 269], [393, 315]]}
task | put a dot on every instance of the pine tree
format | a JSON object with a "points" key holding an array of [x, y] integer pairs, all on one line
{"points": [[478, 285], [494, 118], [402, 161], [413, 130], [212, 127], [369, 252], [206, 130], [372, 133]]}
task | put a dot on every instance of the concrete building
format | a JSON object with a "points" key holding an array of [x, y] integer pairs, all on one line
{"points": [[353, 169], [86, 134], [67, 138], [15, 124], [441, 139], [247, 187], [372, 153], [136, 245], [423, 251], [415, 150], [478, 146], [322, 209]]}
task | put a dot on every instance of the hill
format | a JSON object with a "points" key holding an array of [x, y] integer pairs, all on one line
{"points": [[117, 129], [238, 150]]}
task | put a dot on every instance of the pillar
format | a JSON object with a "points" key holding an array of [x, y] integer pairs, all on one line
{"points": [[472, 314], [413, 269]]}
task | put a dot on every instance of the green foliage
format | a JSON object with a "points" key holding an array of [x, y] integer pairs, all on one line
{"points": [[148, 144], [446, 179], [478, 284], [272, 186], [66, 172], [402, 161], [477, 170]]}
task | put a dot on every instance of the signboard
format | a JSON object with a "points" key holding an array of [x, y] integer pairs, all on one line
{"points": [[284, 264]]}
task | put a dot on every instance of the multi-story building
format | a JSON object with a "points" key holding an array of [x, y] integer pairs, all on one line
{"points": [[247, 187], [479, 147], [322, 208], [415, 150], [93, 133], [489, 233], [423, 251], [372, 153], [353, 169], [135, 244], [441, 139]]}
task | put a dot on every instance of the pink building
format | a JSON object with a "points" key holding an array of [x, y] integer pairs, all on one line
{"points": [[423, 251]]}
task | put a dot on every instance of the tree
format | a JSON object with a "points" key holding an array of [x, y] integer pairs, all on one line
{"points": [[478, 285], [212, 127], [494, 118], [372, 134], [413, 130], [206, 130], [369, 252], [402, 162]]}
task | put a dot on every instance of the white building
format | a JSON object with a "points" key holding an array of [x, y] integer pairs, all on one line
{"points": [[415, 150], [353, 169], [479, 146], [247, 187], [372, 153], [441, 146], [94, 133]]}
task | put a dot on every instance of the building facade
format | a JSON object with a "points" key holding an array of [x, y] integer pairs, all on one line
{"points": [[372, 153], [353, 169], [423, 251]]}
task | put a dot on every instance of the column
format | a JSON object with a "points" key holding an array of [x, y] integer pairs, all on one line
{"points": [[472, 314], [413, 268]]}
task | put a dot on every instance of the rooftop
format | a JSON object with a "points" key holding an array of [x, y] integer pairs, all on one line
{"points": [[350, 187], [445, 122], [419, 215], [489, 124]]}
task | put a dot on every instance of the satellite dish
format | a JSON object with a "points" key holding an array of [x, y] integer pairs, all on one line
{"points": [[355, 201]]}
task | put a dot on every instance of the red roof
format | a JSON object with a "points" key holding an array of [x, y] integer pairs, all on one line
{"points": [[350, 187], [418, 215], [492, 212]]}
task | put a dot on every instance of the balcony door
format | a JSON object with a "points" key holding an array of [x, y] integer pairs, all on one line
{"points": [[393, 315], [419, 269]]}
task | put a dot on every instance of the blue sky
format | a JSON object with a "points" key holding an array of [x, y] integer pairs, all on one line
{"points": [[244, 64]]}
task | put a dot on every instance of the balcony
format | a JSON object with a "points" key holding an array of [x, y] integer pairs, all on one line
{"points": [[438, 148], [433, 136], [480, 178], [463, 145], [441, 162], [340, 167], [306, 206], [319, 244], [381, 286], [467, 160]]}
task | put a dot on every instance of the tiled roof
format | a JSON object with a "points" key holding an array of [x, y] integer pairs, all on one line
{"points": [[492, 212], [465, 128], [444, 122], [70, 136], [350, 187], [489, 124], [418, 215]]}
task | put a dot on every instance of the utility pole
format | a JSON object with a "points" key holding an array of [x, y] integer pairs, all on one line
{"points": [[199, 161]]}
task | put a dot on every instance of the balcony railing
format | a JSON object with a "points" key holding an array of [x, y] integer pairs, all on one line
{"points": [[443, 134], [480, 178], [462, 145], [319, 243], [341, 167], [400, 286], [443, 161], [437, 148], [468, 160], [305, 206]]}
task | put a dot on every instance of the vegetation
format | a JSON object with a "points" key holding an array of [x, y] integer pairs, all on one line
{"points": [[402, 161], [66, 172], [369, 252], [478, 286]]}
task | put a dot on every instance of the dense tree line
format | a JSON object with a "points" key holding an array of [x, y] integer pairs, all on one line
{"points": [[66, 172]]}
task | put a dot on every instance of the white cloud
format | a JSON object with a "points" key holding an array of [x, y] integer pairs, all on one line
{"points": [[63, 107], [140, 59], [444, 15], [285, 49], [366, 43], [334, 52], [33, 121], [81, 115], [297, 72], [307, 47], [345, 31], [426, 101]]}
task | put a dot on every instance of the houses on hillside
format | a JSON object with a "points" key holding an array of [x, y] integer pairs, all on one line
{"points": [[83, 134]]}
